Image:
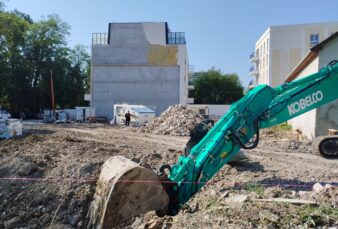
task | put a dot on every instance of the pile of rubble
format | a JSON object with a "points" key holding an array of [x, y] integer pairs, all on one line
{"points": [[177, 120]]}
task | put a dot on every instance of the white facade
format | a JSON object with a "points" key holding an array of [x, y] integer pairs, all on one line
{"points": [[211, 111], [317, 122], [138, 63], [281, 48]]}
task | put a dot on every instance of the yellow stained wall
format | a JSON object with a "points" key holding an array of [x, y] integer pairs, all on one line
{"points": [[162, 55]]}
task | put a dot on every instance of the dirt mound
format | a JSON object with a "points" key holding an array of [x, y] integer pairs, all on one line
{"points": [[177, 120], [48, 179]]}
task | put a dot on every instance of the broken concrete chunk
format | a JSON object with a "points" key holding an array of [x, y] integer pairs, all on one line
{"points": [[318, 188], [176, 120], [124, 190], [236, 200]]}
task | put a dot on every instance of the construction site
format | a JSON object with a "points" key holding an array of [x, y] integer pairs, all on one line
{"points": [[49, 176], [128, 135]]}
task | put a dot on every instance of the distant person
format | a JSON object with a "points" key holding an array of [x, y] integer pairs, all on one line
{"points": [[127, 115]]}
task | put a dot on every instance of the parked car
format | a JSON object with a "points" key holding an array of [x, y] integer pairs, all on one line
{"points": [[4, 114]]}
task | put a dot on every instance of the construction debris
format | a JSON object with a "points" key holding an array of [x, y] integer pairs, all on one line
{"points": [[318, 187], [236, 200], [124, 190], [285, 200], [177, 120], [48, 179], [10, 128]]}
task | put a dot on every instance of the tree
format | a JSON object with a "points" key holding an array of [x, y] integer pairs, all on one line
{"points": [[29, 52], [77, 79], [214, 87], [13, 70]]}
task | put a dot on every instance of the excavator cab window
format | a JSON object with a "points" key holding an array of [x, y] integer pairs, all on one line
{"points": [[198, 133]]}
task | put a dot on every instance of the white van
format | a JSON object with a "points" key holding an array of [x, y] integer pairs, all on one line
{"points": [[4, 114]]}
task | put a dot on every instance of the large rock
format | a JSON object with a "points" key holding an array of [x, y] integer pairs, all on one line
{"points": [[124, 190]]}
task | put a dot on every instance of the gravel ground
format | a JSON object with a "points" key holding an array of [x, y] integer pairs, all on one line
{"points": [[47, 180]]}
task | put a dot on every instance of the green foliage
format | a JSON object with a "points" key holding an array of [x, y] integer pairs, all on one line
{"points": [[29, 53], [257, 188], [282, 127], [312, 216], [213, 87], [213, 204]]}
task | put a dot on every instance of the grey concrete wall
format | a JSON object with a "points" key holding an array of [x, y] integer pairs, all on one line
{"points": [[147, 85], [107, 54], [135, 34], [327, 118], [327, 115], [127, 34], [137, 67]]}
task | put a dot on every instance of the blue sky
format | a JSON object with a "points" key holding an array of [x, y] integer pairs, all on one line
{"points": [[220, 33]]}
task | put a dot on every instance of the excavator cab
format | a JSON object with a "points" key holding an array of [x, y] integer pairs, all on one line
{"points": [[198, 133]]}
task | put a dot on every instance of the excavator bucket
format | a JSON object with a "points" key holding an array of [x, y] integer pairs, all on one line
{"points": [[125, 189]]}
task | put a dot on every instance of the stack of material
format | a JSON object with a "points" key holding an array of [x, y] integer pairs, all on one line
{"points": [[10, 128], [177, 120]]}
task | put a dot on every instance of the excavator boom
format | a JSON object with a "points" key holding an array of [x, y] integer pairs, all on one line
{"points": [[262, 107]]}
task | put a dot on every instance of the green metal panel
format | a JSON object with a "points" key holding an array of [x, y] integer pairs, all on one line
{"points": [[304, 95], [270, 106]]}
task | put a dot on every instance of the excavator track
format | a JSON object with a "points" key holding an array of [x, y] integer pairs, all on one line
{"points": [[328, 147]]}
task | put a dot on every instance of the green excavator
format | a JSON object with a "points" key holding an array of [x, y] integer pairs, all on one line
{"points": [[127, 188]]}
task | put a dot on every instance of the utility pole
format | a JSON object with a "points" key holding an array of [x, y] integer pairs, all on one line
{"points": [[52, 91]]}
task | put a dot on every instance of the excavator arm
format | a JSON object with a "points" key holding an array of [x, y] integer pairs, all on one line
{"points": [[239, 128], [127, 188]]}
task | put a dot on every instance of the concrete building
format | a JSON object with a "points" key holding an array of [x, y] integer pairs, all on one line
{"points": [[138, 63], [317, 122], [280, 49]]}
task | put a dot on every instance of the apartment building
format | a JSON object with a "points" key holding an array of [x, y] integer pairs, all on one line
{"points": [[138, 63], [280, 48]]}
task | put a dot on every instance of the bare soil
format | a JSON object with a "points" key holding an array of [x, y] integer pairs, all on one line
{"points": [[48, 177]]}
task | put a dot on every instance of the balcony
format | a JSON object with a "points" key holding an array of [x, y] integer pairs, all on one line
{"points": [[253, 71], [100, 39], [253, 57]]}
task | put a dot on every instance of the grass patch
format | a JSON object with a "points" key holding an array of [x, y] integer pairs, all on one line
{"points": [[257, 188], [282, 127], [322, 215], [213, 204]]}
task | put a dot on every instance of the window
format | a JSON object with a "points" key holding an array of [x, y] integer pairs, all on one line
{"points": [[314, 39], [267, 45]]}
